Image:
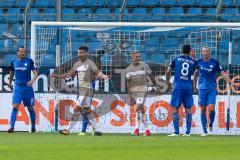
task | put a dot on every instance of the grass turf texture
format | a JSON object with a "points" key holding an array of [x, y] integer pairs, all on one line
{"points": [[44, 146]]}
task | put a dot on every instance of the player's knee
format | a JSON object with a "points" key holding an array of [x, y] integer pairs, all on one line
{"points": [[211, 108], [203, 109], [16, 106], [30, 108], [140, 108]]}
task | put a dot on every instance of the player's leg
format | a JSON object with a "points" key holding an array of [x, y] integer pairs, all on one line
{"points": [[84, 124], [16, 100], [29, 101], [144, 115], [73, 120], [176, 101], [202, 101], [188, 103], [211, 106]]}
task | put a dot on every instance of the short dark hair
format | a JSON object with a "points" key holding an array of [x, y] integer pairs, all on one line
{"points": [[135, 51], [20, 47], [186, 48], [84, 47]]}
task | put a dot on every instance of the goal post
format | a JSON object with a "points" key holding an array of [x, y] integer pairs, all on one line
{"points": [[110, 45]]}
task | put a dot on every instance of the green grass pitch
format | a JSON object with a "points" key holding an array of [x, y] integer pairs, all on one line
{"points": [[53, 146]]}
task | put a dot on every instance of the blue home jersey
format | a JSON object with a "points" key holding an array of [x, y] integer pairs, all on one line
{"points": [[207, 71], [22, 70], [183, 67]]}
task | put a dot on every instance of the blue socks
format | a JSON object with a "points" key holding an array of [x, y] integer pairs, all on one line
{"points": [[33, 118], [204, 122], [212, 117], [13, 117], [84, 122], [189, 122], [176, 122]]}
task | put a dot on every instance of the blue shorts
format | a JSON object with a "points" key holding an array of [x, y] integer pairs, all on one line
{"points": [[182, 96], [23, 93], [206, 97]]}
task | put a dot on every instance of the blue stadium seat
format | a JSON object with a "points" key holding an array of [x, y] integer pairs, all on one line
{"points": [[67, 14], [158, 14], [77, 3], [186, 2], [158, 58], [231, 14], [138, 14], [168, 2], [151, 2], [7, 3], [48, 60], [84, 11], [227, 2], [176, 10], [14, 14], [195, 11], [134, 2], [33, 14], [235, 59], [113, 3], [100, 2], [237, 2], [22, 4], [8, 58], [102, 14], [207, 2], [65, 3], [45, 3], [212, 11]]}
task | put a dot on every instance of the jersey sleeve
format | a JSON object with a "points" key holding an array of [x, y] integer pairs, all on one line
{"points": [[32, 65], [11, 67], [148, 69], [218, 67], [128, 74], [172, 64], [93, 66]]}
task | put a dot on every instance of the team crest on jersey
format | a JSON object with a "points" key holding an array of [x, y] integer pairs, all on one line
{"points": [[211, 66], [25, 64]]}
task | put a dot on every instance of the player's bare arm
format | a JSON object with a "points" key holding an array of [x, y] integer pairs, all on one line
{"points": [[225, 76], [100, 74], [35, 75], [195, 82], [72, 73], [11, 74], [168, 75], [129, 83]]}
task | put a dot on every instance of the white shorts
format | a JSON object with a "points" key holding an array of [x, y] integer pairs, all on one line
{"points": [[85, 97], [139, 97]]}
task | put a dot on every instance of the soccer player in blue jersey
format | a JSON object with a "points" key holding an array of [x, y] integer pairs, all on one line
{"points": [[183, 67], [22, 67], [207, 68]]}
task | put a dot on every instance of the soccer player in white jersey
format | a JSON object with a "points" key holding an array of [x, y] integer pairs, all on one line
{"points": [[136, 74], [86, 69]]}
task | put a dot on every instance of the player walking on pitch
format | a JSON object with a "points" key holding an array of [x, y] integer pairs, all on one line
{"points": [[205, 74], [183, 67], [86, 69], [21, 67], [136, 74]]}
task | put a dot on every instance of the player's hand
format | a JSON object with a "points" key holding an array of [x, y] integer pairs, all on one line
{"points": [[106, 77], [132, 101], [54, 75], [195, 90], [10, 86], [30, 83]]}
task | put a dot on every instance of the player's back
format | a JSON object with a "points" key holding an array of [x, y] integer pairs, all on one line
{"points": [[183, 67]]}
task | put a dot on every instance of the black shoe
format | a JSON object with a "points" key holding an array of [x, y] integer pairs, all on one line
{"points": [[64, 131], [33, 130], [96, 133], [11, 130]]}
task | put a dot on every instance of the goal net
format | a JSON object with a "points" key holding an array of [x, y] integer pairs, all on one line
{"points": [[54, 48]]}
